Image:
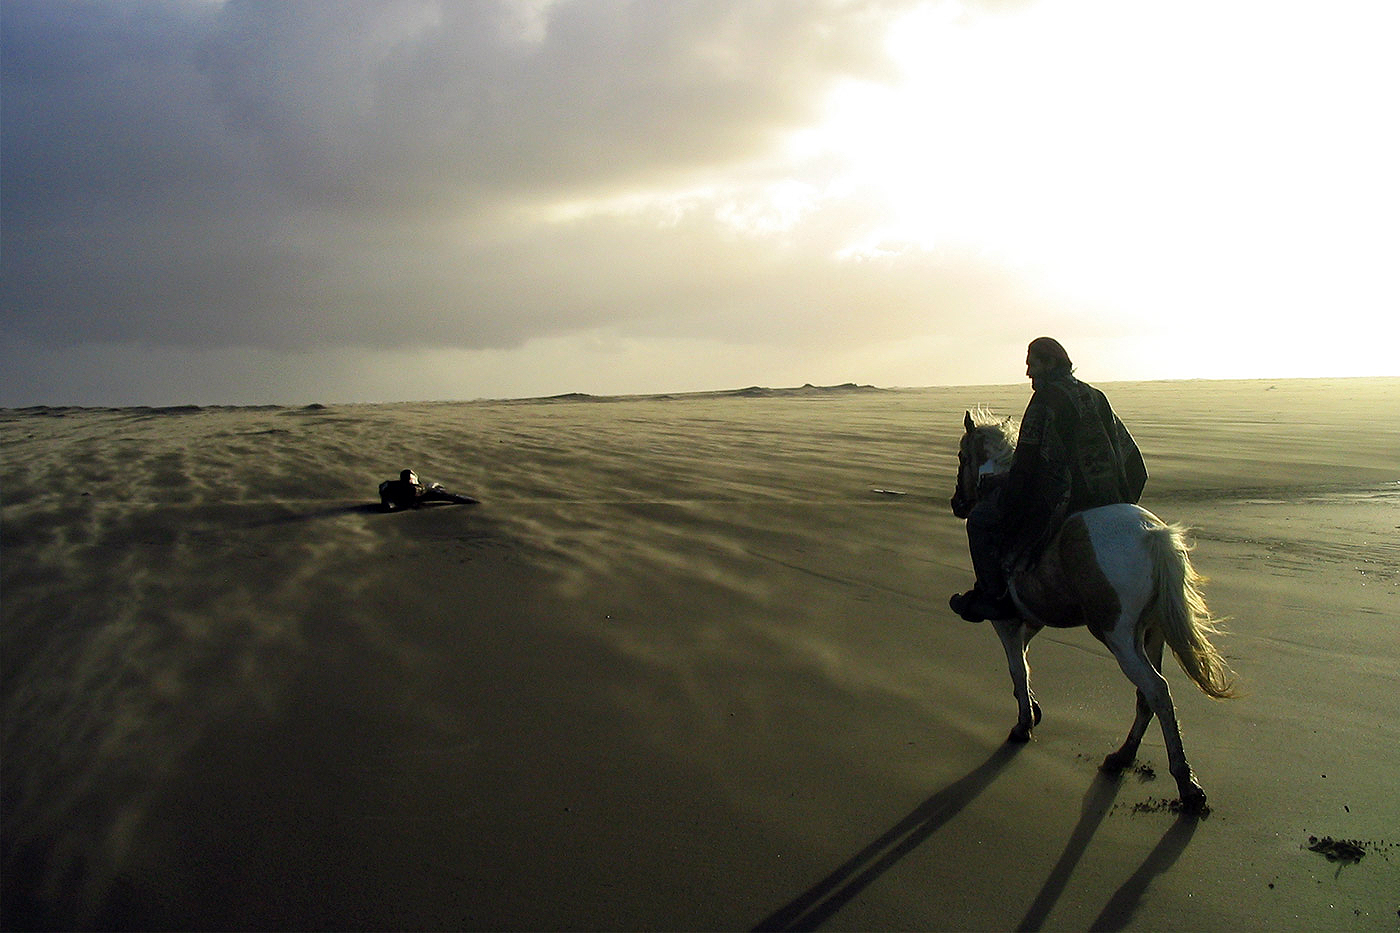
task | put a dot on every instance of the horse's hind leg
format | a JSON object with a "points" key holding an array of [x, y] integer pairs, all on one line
{"points": [[1127, 753], [1153, 689], [1015, 636]]}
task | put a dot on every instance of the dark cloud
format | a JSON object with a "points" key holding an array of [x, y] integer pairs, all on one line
{"points": [[314, 174]]}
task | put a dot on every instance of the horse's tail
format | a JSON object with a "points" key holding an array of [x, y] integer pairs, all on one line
{"points": [[1180, 609]]}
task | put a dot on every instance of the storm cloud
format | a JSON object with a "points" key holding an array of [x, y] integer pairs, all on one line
{"points": [[293, 175], [253, 201]]}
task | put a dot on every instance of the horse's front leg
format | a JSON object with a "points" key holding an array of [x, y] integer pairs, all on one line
{"points": [[1015, 635]]}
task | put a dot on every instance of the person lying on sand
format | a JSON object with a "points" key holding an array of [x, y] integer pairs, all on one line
{"points": [[407, 492], [1072, 454]]}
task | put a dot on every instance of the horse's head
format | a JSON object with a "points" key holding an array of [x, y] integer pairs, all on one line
{"points": [[986, 448]]}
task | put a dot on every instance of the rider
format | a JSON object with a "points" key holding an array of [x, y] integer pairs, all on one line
{"points": [[407, 492], [1072, 454]]}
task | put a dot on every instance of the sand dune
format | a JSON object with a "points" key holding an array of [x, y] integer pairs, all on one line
{"points": [[682, 668]]}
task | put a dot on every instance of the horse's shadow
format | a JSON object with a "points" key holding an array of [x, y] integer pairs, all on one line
{"points": [[811, 908], [1098, 800], [818, 903], [1120, 907]]}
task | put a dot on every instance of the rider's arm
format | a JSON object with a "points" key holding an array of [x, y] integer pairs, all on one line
{"points": [[1035, 425]]}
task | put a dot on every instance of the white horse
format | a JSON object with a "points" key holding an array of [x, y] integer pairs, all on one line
{"points": [[1126, 575]]}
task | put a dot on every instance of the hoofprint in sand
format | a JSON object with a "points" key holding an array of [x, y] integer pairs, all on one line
{"points": [[681, 668]]}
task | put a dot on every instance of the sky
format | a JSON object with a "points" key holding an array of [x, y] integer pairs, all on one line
{"points": [[263, 201]]}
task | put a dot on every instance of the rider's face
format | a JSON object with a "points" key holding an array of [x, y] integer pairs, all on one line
{"points": [[1036, 367]]}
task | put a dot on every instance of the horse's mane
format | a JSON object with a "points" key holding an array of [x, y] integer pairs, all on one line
{"points": [[999, 435]]}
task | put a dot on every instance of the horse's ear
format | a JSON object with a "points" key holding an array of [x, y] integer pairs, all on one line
{"points": [[967, 422]]}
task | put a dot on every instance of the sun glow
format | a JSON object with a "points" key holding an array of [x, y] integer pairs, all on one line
{"points": [[1217, 167]]}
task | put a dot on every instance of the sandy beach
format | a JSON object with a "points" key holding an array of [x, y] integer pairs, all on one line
{"points": [[681, 669]]}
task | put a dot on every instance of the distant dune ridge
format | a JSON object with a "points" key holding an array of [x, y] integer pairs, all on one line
{"points": [[685, 666], [747, 392], [807, 390]]}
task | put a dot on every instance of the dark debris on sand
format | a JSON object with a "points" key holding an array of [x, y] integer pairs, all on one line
{"points": [[1173, 806], [1142, 770], [1336, 850]]}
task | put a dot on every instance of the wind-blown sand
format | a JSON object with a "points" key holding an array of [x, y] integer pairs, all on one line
{"points": [[681, 669]]}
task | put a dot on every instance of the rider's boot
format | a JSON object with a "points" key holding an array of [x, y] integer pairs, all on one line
{"points": [[977, 605]]}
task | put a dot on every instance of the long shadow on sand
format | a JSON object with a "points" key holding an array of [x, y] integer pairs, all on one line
{"points": [[1119, 910], [365, 508], [1097, 802], [814, 906], [294, 517]]}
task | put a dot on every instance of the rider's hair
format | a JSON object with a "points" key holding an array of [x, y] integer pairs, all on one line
{"points": [[1049, 349]]}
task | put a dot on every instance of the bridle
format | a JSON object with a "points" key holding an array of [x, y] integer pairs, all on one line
{"points": [[962, 502]]}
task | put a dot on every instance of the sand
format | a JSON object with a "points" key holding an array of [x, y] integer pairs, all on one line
{"points": [[680, 669]]}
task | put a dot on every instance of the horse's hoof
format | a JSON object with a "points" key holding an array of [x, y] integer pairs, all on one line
{"points": [[1193, 799], [1019, 736], [1116, 762], [1035, 711]]}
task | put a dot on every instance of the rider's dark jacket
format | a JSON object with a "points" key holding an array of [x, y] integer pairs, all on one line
{"points": [[400, 494], [1072, 454]]}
